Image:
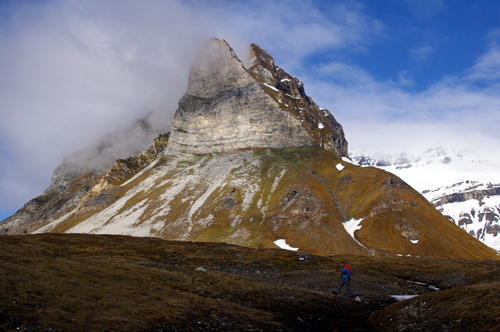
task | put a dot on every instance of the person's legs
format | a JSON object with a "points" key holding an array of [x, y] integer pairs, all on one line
{"points": [[341, 284], [348, 287]]}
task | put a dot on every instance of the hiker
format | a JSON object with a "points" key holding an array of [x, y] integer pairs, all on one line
{"points": [[346, 279]]}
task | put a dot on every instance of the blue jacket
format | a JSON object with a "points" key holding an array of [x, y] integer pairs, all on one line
{"points": [[346, 272]]}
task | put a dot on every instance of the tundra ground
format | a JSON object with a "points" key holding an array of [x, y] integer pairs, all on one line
{"points": [[57, 282]]}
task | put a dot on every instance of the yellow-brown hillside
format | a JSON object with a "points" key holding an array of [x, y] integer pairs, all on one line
{"points": [[304, 195]]}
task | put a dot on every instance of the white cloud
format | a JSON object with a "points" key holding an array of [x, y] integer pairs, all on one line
{"points": [[73, 71], [487, 67], [385, 115], [405, 78], [295, 29]]}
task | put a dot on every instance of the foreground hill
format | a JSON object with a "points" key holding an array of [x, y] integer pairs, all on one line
{"points": [[52, 282]]}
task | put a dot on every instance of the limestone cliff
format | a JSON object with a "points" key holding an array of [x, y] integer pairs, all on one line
{"points": [[227, 108]]}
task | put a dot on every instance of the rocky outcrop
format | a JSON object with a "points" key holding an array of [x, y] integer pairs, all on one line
{"points": [[101, 155], [70, 190], [297, 206], [124, 169], [44, 208], [465, 196], [475, 211], [227, 108], [289, 92]]}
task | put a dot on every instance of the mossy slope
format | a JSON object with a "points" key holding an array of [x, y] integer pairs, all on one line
{"points": [[253, 198]]}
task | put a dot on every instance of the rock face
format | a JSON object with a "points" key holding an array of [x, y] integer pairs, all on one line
{"points": [[457, 197], [227, 107], [475, 209], [289, 92], [48, 206]]}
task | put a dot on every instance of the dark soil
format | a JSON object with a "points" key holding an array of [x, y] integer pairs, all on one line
{"points": [[55, 282]]}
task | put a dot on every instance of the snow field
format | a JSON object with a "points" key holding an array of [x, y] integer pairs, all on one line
{"points": [[475, 209]]}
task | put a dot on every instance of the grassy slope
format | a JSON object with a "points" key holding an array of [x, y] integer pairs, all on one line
{"points": [[98, 283], [258, 183]]}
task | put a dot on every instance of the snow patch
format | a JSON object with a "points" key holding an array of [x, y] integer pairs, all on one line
{"points": [[352, 226], [297, 98], [147, 168], [49, 227], [283, 245], [414, 241], [320, 126], [236, 221], [424, 284], [270, 86], [285, 80], [402, 297], [339, 166], [347, 160], [277, 180], [124, 223]]}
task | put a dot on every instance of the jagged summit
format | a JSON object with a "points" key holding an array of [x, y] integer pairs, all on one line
{"points": [[228, 107], [289, 92]]}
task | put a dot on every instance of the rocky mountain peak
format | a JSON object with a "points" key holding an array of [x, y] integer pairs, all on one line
{"points": [[215, 69], [228, 107], [250, 160]]}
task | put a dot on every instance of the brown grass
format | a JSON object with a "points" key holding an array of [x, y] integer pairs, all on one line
{"points": [[99, 283]]}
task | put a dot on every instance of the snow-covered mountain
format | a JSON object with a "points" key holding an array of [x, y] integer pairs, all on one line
{"points": [[463, 185]]}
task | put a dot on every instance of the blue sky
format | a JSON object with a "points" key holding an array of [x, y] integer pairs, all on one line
{"points": [[397, 74], [429, 39]]}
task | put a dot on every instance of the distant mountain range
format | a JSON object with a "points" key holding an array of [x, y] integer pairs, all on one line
{"points": [[463, 185]]}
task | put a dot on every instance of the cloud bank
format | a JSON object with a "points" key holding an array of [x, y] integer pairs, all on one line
{"points": [[74, 71]]}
